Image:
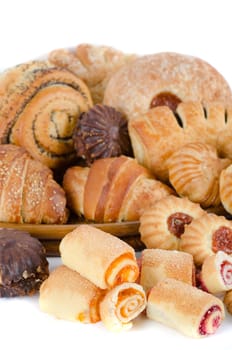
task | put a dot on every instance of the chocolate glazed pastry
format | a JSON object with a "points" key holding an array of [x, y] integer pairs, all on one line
{"points": [[23, 263], [39, 106], [101, 133]]}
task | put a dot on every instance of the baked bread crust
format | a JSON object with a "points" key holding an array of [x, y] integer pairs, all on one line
{"points": [[112, 190], [156, 135], [162, 225], [132, 89], [94, 64], [28, 192]]}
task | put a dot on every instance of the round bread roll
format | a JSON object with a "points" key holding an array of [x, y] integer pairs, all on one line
{"points": [[164, 79]]}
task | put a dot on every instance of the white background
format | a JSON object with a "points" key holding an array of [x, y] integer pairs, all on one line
{"points": [[31, 28]]}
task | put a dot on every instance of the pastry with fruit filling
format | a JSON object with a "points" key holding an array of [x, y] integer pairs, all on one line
{"points": [[216, 272], [187, 309], [206, 236], [162, 225]]}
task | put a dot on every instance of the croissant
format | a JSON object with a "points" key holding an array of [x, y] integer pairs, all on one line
{"points": [[39, 107], [28, 192], [112, 189], [93, 64], [157, 134]]}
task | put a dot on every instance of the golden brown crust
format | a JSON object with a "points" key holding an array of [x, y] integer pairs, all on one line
{"points": [[157, 134], [132, 89], [110, 261], [158, 264], [115, 189], [94, 64], [207, 235], [225, 187], [184, 307], [228, 301], [162, 225], [39, 108], [194, 172], [68, 295], [29, 193]]}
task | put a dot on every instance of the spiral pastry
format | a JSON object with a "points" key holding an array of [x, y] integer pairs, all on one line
{"points": [[194, 172], [121, 305], [216, 272], [162, 225], [40, 104], [188, 309]]}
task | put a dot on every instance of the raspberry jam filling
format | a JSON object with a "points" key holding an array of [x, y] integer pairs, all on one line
{"points": [[222, 240], [211, 320], [176, 223], [226, 272]]}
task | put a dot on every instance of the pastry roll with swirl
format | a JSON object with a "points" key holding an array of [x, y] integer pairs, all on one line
{"points": [[100, 257], [162, 225], [121, 305], [112, 189], [194, 171], [28, 191], [40, 104], [185, 308], [216, 272], [67, 295], [207, 235], [158, 264]]}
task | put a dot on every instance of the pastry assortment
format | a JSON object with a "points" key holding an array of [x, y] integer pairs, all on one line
{"points": [[101, 136], [91, 287]]}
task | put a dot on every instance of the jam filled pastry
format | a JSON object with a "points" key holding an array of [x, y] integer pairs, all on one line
{"points": [[23, 263], [153, 143], [189, 310], [69, 296], [158, 264], [162, 225], [102, 258], [207, 235], [216, 272], [40, 104], [28, 191], [112, 189], [164, 79], [121, 305], [194, 172]]}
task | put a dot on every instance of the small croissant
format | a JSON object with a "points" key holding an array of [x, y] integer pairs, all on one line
{"points": [[28, 192]]}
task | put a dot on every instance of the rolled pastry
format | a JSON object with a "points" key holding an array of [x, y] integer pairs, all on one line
{"points": [[121, 305], [188, 309], [158, 264], [99, 256], [67, 295], [216, 272]]}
